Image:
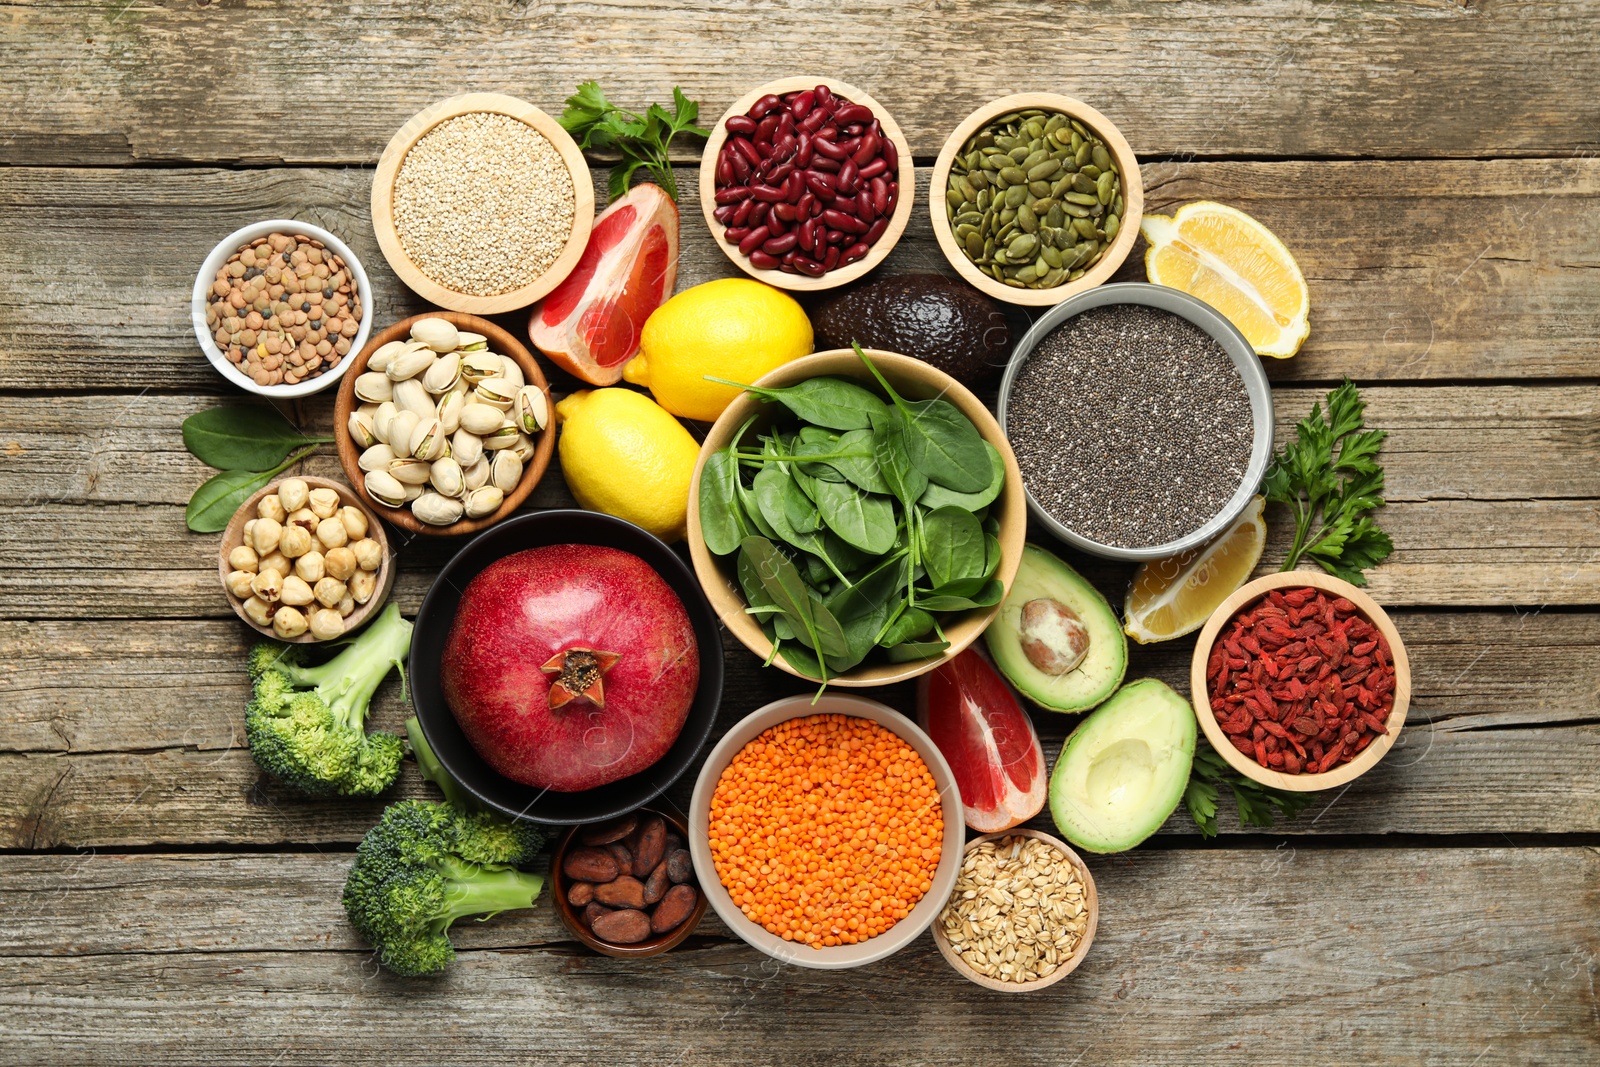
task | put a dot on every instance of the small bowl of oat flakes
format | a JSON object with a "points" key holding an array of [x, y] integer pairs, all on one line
{"points": [[482, 203], [1022, 914]]}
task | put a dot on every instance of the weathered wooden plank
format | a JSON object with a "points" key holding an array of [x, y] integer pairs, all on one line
{"points": [[1417, 270], [134, 960], [125, 82]]}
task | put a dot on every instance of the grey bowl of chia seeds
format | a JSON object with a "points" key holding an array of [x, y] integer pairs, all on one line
{"points": [[1141, 419]]}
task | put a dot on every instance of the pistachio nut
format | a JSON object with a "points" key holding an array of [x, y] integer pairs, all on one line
{"points": [[362, 585], [368, 555], [340, 562], [376, 458], [355, 521], [331, 533], [511, 371], [329, 591], [428, 440], [240, 583], [411, 364], [476, 473], [446, 477], [270, 507], [289, 622], [304, 517], [374, 387], [346, 606], [466, 447], [448, 410], [410, 471], [326, 624], [411, 395], [361, 431], [268, 585], [311, 567], [382, 418], [379, 361], [244, 558], [265, 535], [257, 611], [435, 509], [504, 437], [497, 392], [467, 341], [531, 409], [323, 502], [481, 418], [296, 593], [505, 470], [385, 488], [445, 373], [485, 500], [400, 432], [476, 366], [523, 447], [438, 334], [414, 491], [294, 542]]}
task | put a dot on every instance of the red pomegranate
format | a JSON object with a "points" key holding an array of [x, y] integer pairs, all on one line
{"points": [[570, 666]]}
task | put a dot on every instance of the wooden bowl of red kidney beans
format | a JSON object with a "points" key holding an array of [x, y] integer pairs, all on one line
{"points": [[806, 183], [1300, 681]]}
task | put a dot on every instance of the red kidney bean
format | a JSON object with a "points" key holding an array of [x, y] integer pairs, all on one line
{"points": [[753, 240], [784, 146], [777, 246], [814, 121], [743, 125], [767, 103], [758, 217], [831, 260], [873, 169], [874, 232], [766, 129], [803, 207], [838, 220], [834, 236], [795, 187], [853, 113], [809, 267], [880, 195], [789, 257], [802, 103], [785, 212], [732, 194], [775, 224], [724, 214], [828, 148], [785, 124], [853, 253], [770, 193], [894, 197], [824, 97], [821, 162], [780, 174], [724, 169], [891, 155], [848, 175], [807, 235], [864, 209], [762, 261], [743, 213], [821, 185], [741, 166], [735, 234], [802, 152], [868, 149], [747, 150]]}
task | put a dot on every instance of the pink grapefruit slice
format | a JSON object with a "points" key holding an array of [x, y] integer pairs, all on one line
{"points": [[590, 323], [987, 738]]}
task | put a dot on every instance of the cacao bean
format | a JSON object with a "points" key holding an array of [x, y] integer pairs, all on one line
{"points": [[592, 911], [680, 868], [626, 892], [590, 865], [622, 854], [655, 887], [678, 904], [650, 845], [606, 832], [623, 927], [580, 894]]}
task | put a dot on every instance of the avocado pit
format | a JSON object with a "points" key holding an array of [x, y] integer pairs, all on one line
{"points": [[1053, 637]]}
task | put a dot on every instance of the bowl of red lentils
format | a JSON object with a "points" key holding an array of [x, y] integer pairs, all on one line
{"points": [[827, 834], [280, 306], [1300, 681]]}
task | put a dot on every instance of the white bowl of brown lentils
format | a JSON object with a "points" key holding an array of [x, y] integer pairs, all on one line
{"points": [[280, 306]]}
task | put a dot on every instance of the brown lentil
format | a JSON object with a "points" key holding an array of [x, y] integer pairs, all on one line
{"points": [[1131, 425], [483, 203], [284, 309]]}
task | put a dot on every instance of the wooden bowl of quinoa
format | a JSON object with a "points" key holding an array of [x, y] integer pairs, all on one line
{"points": [[482, 203]]}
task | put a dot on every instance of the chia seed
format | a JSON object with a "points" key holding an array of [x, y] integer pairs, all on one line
{"points": [[1131, 425]]}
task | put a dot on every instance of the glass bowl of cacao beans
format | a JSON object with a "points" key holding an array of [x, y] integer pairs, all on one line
{"points": [[626, 887]]}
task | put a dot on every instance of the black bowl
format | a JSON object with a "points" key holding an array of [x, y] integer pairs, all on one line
{"points": [[439, 724]]}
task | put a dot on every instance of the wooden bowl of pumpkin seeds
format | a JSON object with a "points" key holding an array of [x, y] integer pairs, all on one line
{"points": [[1036, 197]]}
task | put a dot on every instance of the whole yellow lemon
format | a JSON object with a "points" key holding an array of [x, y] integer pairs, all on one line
{"points": [[623, 455]]}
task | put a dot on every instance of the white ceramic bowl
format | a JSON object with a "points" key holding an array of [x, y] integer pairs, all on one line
{"points": [[836, 957], [208, 273]]}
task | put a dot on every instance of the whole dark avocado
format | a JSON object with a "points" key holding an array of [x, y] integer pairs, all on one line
{"points": [[934, 318]]}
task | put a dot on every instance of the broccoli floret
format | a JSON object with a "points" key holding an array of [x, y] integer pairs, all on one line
{"points": [[307, 725], [427, 864]]}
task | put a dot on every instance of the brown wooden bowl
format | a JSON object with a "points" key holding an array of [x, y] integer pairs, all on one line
{"points": [[1199, 691], [651, 946], [233, 537], [349, 456], [915, 380], [383, 203], [897, 219], [1132, 197], [1091, 902]]}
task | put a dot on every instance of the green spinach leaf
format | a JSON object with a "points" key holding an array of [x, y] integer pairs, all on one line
{"points": [[937, 496], [722, 521], [952, 545], [860, 519], [834, 403]]}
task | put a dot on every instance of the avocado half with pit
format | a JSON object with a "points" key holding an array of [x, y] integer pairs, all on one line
{"points": [[1124, 769], [1056, 638]]}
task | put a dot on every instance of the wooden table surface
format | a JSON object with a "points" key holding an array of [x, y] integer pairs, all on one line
{"points": [[1432, 165]]}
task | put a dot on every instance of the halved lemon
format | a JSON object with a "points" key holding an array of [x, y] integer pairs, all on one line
{"points": [[1235, 264], [1174, 596]]}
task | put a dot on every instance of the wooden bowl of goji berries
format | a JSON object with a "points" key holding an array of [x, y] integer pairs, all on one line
{"points": [[1300, 681]]}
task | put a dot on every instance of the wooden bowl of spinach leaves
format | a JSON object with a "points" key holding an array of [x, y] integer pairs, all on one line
{"points": [[856, 517]]}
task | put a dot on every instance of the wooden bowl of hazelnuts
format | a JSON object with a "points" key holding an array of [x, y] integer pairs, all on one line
{"points": [[304, 560]]}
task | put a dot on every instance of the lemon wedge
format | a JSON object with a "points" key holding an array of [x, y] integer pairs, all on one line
{"points": [[1232, 262], [1174, 596]]}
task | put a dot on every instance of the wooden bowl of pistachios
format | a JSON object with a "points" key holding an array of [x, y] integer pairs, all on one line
{"points": [[303, 560], [444, 424]]}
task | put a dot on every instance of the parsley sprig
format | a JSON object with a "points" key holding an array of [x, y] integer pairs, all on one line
{"points": [[1258, 804], [1329, 476], [642, 139]]}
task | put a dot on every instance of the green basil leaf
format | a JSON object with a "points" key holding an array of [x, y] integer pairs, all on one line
{"points": [[937, 496], [722, 522], [238, 438], [865, 521], [953, 545], [213, 504]]}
